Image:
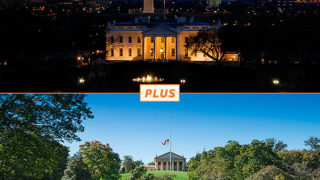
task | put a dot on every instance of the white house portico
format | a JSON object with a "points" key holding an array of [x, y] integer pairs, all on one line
{"points": [[162, 162], [159, 39]]}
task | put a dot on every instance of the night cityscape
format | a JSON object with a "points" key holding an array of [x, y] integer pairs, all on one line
{"points": [[114, 45]]}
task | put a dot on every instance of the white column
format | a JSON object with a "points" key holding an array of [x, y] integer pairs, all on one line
{"points": [[156, 165], [183, 165], [167, 163], [165, 49], [154, 49], [161, 165], [178, 165], [177, 47], [142, 48]]}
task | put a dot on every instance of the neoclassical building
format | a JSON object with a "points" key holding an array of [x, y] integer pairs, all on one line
{"points": [[154, 40], [162, 162]]}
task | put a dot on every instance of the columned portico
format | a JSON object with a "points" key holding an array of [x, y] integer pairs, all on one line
{"points": [[142, 48], [160, 43], [162, 162], [177, 48], [165, 49]]}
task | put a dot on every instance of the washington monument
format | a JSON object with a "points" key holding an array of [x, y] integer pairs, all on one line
{"points": [[148, 6]]}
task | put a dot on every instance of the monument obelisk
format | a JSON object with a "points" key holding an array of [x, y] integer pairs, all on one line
{"points": [[148, 6]]}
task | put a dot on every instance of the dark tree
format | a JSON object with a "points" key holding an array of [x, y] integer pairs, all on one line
{"points": [[207, 42], [313, 142]]}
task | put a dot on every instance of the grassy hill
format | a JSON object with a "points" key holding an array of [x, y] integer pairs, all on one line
{"points": [[179, 174]]}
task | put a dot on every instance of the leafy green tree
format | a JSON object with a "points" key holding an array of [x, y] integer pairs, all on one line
{"points": [[137, 173], [102, 162], [76, 169], [272, 173], [277, 145], [304, 157], [31, 127], [313, 142], [254, 157], [57, 116], [128, 163], [30, 156]]}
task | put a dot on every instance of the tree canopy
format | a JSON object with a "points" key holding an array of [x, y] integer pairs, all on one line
{"points": [[102, 162], [267, 159], [31, 129]]}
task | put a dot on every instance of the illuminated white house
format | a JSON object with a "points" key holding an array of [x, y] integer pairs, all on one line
{"points": [[155, 40]]}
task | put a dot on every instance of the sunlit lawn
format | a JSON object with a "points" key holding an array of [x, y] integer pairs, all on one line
{"points": [[180, 175]]}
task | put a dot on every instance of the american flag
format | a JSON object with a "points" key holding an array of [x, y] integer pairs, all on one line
{"points": [[165, 142]]}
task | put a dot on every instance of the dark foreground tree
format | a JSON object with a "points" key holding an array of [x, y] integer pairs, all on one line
{"points": [[76, 169], [208, 43], [31, 127], [102, 162]]}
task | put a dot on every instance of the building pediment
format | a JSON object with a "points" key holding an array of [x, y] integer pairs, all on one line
{"points": [[160, 29], [173, 156]]}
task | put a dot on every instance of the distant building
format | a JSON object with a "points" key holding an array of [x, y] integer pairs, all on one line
{"points": [[214, 3], [162, 162], [148, 6]]}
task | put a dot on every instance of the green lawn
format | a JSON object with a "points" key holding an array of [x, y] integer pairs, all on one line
{"points": [[179, 174]]}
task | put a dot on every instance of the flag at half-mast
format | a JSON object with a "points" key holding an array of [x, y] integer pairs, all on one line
{"points": [[165, 142]]}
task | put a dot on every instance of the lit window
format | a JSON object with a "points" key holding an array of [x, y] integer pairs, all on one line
{"points": [[139, 52], [130, 52], [121, 39], [121, 52], [130, 40], [186, 52], [173, 52]]}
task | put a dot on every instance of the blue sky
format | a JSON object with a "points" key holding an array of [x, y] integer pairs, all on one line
{"points": [[200, 121]]}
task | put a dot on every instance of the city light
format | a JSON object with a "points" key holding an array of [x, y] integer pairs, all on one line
{"points": [[81, 80], [183, 81], [148, 79], [276, 81]]}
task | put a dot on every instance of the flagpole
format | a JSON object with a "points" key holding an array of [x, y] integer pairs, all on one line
{"points": [[170, 141], [164, 10]]}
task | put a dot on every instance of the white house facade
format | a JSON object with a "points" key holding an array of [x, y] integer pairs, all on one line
{"points": [[155, 41]]}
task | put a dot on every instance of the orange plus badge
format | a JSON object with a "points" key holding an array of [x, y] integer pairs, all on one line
{"points": [[160, 92]]}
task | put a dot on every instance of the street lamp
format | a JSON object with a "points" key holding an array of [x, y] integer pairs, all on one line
{"points": [[183, 81], [81, 80], [276, 82]]}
